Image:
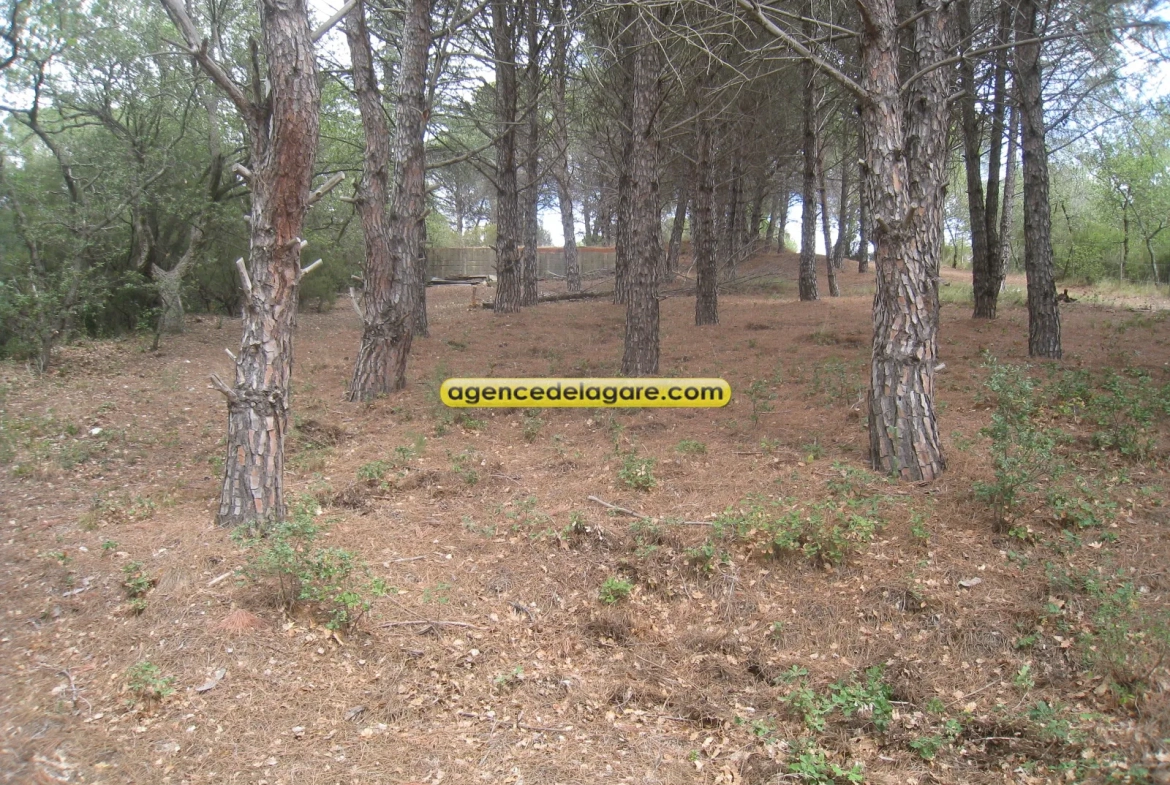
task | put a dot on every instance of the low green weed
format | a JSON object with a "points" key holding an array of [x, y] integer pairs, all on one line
{"points": [[146, 681], [637, 473], [614, 590]]}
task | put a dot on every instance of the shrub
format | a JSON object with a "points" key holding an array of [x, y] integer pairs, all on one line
{"points": [[637, 473], [146, 681], [333, 579], [614, 590]]}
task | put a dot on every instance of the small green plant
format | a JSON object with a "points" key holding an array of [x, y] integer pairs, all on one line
{"points": [[812, 451], [807, 762], [508, 680], [691, 447], [333, 579], [462, 466], [614, 590], [532, 425], [1022, 449], [108, 547], [146, 681], [1023, 678], [869, 699], [637, 473], [918, 528], [761, 398], [928, 747], [137, 584]]}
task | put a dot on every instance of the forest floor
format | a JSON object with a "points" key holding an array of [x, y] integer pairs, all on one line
{"points": [[782, 614]]}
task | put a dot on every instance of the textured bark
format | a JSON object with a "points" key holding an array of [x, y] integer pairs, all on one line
{"points": [[906, 175], [732, 232], [1043, 310], [782, 217], [808, 191], [676, 230], [282, 132], [1008, 215], [508, 283], [393, 238], [770, 234], [561, 159], [170, 283], [834, 288], [845, 226], [530, 190], [703, 232], [973, 168], [863, 232], [988, 281], [641, 342]]}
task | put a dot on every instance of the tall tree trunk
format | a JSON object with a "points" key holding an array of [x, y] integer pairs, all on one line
{"points": [[703, 232], [676, 230], [732, 230], [834, 289], [906, 176], [844, 218], [390, 293], [530, 199], [782, 217], [808, 190], [561, 158], [282, 134], [1007, 216], [987, 295], [863, 232], [641, 344], [508, 278], [1043, 310], [770, 234], [420, 326], [973, 166], [752, 232]]}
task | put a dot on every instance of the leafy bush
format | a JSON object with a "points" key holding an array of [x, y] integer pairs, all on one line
{"points": [[333, 579], [637, 473], [614, 590], [824, 533], [1022, 450], [146, 681]]}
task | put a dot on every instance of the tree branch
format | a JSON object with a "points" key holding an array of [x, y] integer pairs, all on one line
{"points": [[196, 46], [756, 10]]}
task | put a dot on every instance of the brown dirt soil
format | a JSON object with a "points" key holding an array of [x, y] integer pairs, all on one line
{"points": [[516, 672]]}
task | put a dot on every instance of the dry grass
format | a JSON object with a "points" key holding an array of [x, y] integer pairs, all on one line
{"points": [[685, 681]]}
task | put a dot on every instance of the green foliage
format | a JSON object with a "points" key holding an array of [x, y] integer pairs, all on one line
{"points": [[462, 464], [614, 590], [869, 699], [146, 681], [333, 579], [825, 533], [532, 425], [761, 397], [637, 473], [1022, 449], [691, 447], [807, 763], [137, 584]]}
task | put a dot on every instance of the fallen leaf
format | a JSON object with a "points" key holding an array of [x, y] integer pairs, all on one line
{"points": [[971, 583], [213, 682]]}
